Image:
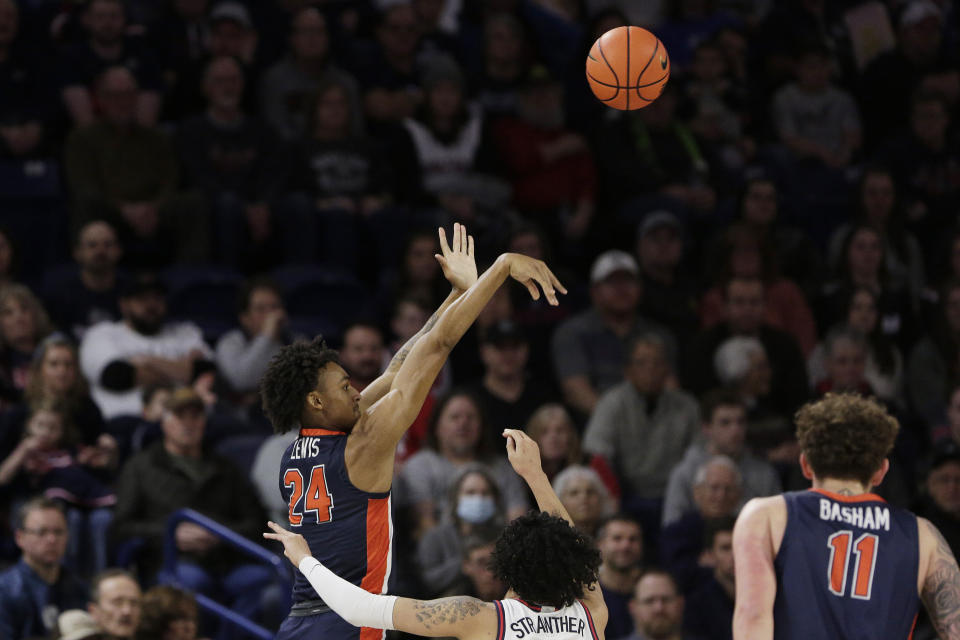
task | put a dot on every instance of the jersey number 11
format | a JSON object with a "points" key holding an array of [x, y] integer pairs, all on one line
{"points": [[866, 549]]}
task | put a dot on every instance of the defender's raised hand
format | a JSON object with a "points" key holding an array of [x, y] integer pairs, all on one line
{"points": [[523, 453], [295, 546], [532, 272], [458, 264]]}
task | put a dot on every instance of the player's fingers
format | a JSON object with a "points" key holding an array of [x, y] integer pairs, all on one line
{"points": [[464, 239], [470, 246], [532, 288], [548, 289], [456, 237], [273, 525], [444, 247], [556, 282], [441, 260]]}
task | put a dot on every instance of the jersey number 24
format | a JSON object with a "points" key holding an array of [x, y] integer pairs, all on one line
{"points": [[317, 503], [866, 549]]}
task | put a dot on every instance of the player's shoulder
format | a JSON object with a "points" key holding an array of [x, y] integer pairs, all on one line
{"points": [[762, 514]]}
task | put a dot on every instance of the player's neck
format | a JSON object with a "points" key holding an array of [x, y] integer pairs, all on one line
{"points": [[842, 487]]}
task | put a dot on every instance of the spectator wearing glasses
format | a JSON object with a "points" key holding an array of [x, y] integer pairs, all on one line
{"points": [[38, 587]]}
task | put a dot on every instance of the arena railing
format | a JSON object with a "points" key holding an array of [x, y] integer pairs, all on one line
{"points": [[278, 563]]}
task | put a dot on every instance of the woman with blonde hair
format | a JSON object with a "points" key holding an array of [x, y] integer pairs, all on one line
{"points": [[23, 324], [585, 497], [54, 375], [551, 427]]}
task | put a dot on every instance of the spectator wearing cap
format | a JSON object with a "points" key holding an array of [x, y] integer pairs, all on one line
{"points": [[919, 61], [669, 296], [940, 500], [108, 45], [724, 430], [121, 358], [507, 390], [38, 586], [77, 624], [445, 140], [287, 88], [744, 253], [642, 428], [549, 165], [176, 473], [232, 33], [744, 315], [127, 172], [235, 161], [590, 348], [85, 295]]}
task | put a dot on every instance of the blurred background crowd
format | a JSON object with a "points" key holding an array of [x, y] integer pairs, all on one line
{"points": [[188, 185]]}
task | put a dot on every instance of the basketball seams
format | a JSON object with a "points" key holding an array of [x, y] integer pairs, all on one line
{"points": [[628, 68], [609, 66], [656, 47]]}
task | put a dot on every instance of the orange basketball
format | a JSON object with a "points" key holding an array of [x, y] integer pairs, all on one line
{"points": [[627, 68]]}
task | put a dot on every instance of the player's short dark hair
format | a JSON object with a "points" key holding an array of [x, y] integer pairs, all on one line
{"points": [[292, 375], [545, 560], [714, 527], [845, 436], [713, 400]]}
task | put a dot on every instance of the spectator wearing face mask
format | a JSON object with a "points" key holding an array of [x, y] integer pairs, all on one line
{"points": [[474, 506]]}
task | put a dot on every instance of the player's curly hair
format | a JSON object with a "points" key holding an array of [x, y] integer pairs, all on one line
{"points": [[845, 436], [545, 560], [292, 375]]}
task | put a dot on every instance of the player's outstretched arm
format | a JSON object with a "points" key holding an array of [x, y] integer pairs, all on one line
{"points": [[756, 578], [389, 418], [940, 581], [460, 270], [460, 616], [524, 456]]}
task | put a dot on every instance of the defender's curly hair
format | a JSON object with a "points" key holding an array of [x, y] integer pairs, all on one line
{"points": [[292, 374], [545, 560], [845, 436]]}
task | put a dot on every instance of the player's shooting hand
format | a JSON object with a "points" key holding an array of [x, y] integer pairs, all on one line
{"points": [[531, 272], [523, 453], [458, 264], [295, 546]]}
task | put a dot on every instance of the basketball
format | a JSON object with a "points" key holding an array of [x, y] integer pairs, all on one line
{"points": [[627, 68]]}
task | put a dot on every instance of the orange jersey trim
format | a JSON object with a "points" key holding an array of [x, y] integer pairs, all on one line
{"points": [[378, 555], [320, 432], [863, 497]]}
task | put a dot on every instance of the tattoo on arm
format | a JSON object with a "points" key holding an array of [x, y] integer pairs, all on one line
{"points": [[401, 355], [446, 611], [941, 589]]}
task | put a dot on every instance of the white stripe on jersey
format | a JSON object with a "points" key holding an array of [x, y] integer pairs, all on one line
{"points": [[530, 622]]}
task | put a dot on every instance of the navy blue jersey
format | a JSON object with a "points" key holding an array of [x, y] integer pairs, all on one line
{"points": [[350, 531], [847, 568]]}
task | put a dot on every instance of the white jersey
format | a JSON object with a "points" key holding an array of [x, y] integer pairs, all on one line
{"points": [[519, 620]]}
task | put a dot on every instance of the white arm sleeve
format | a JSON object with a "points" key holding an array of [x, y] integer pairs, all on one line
{"points": [[358, 607]]}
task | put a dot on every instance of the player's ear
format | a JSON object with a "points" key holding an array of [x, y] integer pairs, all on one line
{"points": [[878, 476], [805, 467], [314, 401]]}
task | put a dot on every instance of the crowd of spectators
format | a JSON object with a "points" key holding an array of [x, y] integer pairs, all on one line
{"points": [[782, 222]]}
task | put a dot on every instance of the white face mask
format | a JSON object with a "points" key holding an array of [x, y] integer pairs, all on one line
{"points": [[476, 509]]}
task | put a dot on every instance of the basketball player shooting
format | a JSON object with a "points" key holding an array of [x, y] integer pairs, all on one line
{"points": [[550, 568], [336, 476], [836, 561]]}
